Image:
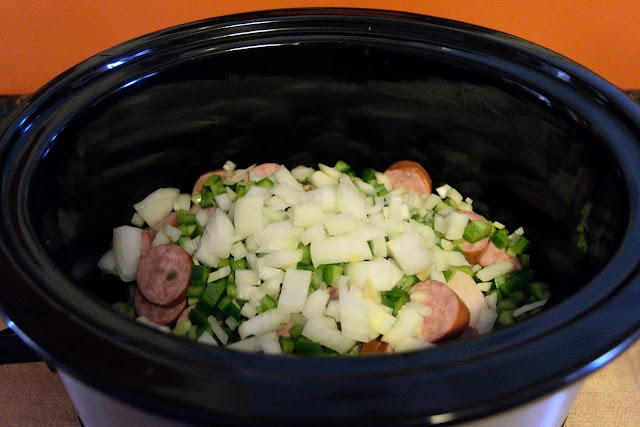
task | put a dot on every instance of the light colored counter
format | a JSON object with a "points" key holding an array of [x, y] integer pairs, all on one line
{"points": [[32, 394]]}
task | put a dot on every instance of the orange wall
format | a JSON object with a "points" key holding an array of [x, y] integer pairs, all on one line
{"points": [[41, 38]]}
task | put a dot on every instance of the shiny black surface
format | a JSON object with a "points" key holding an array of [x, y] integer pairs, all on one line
{"points": [[531, 137]]}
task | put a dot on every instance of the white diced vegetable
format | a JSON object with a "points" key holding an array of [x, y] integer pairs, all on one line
{"points": [[217, 330], [283, 176], [338, 249], [486, 319], [318, 331], [528, 307], [282, 259], [223, 201], [157, 205], [381, 274], [494, 270], [248, 310], [301, 173], [266, 273], [219, 274], [315, 232], [354, 317], [137, 220], [127, 244], [409, 254], [340, 223], [321, 179], [107, 262], [295, 288], [307, 214], [379, 247], [247, 277], [269, 321], [238, 251], [348, 198], [315, 304], [248, 217]]}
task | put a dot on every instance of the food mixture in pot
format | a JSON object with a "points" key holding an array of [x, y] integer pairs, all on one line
{"points": [[321, 261]]}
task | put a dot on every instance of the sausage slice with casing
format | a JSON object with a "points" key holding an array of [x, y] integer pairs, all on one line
{"points": [[450, 316], [410, 176], [163, 274]]}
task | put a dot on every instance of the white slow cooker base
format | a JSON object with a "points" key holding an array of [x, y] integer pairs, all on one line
{"points": [[96, 408]]}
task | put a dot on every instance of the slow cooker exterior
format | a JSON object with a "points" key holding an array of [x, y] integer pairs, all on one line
{"points": [[461, 381]]}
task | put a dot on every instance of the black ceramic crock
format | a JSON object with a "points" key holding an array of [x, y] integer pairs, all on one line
{"points": [[532, 137]]}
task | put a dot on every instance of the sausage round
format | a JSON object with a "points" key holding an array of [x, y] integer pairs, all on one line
{"points": [[410, 176], [163, 274], [147, 236], [449, 317], [473, 251], [199, 185], [158, 314], [492, 254], [376, 346], [184, 315], [262, 170]]}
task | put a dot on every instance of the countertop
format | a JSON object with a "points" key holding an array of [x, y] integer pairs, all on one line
{"points": [[33, 394]]}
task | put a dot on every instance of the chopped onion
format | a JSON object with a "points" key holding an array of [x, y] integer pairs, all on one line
{"points": [[320, 179], [269, 321], [338, 249], [409, 254], [381, 274], [247, 277], [137, 220], [295, 287], [157, 205], [348, 198], [528, 307], [127, 244], [238, 251], [282, 258], [318, 331], [340, 223], [315, 304], [315, 232], [283, 176], [223, 201], [301, 173], [248, 217], [494, 270], [107, 262]]}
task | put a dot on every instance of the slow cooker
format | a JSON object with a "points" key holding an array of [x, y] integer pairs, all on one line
{"points": [[533, 137]]}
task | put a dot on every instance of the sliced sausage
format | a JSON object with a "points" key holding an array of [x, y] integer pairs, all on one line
{"points": [[473, 251], [376, 346], [171, 219], [410, 176], [163, 274], [199, 185], [285, 332], [208, 210], [450, 316], [334, 293], [184, 315], [261, 171], [156, 313], [147, 236], [492, 254]]}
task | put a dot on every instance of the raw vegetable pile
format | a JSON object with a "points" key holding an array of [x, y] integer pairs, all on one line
{"points": [[321, 261]]}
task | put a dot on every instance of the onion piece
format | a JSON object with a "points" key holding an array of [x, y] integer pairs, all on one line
{"points": [[269, 321], [157, 205], [127, 244], [320, 332], [295, 288]]}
